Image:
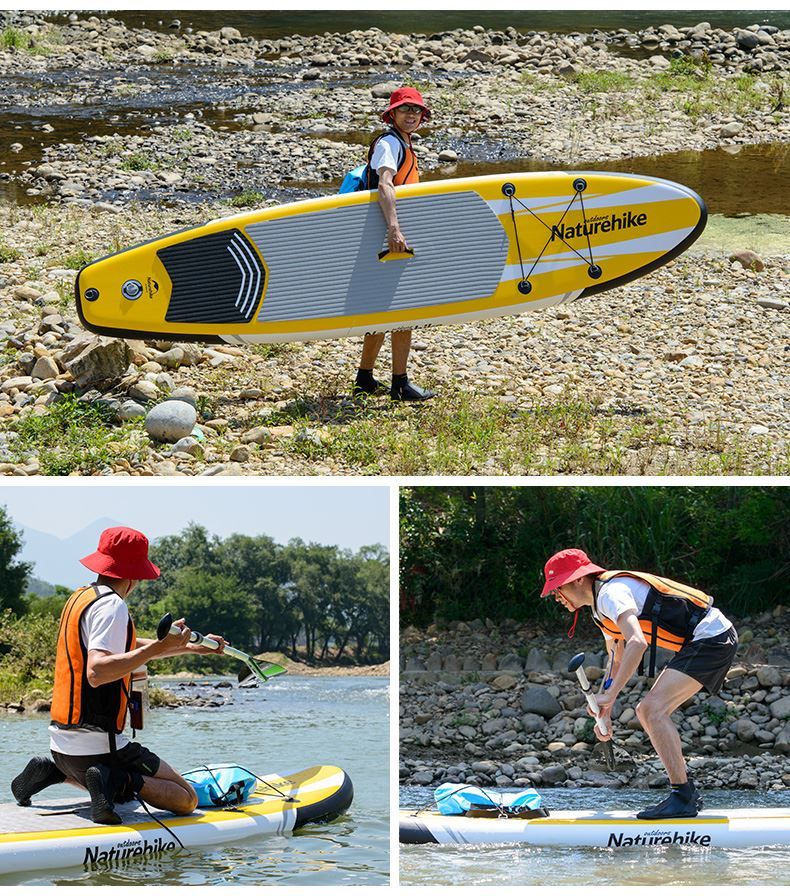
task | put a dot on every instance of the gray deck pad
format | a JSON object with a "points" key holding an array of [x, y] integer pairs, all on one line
{"points": [[69, 815], [325, 264]]}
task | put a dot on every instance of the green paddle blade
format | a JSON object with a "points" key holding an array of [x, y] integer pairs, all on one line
{"points": [[261, 671]]}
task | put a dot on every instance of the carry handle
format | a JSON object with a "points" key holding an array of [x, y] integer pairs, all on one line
{"points": [[386, 255]]}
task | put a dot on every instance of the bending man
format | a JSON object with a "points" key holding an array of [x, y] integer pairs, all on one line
{"points": [[97, 652], [637, 612]]}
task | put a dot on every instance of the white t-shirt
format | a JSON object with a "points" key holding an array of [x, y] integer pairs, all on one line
{"points": [[103, 626], [386, 154], [625, 593]]}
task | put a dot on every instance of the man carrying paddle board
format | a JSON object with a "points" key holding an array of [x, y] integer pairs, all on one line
{"points": [[392, 162], [97, 652], [636, 613]]}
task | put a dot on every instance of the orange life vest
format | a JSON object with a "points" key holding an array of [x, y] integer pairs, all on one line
{"points": [[75, 703], [669, 616], [408, 170]]}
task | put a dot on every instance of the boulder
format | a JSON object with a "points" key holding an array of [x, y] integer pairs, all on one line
{"points": [[540, 701], [96, 361]]}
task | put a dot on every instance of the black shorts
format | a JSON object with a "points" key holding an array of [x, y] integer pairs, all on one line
{"points": [[707, 661], [133, 757]]}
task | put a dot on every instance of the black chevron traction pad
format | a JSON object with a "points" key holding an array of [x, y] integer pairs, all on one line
{"points": [[217, 279]]}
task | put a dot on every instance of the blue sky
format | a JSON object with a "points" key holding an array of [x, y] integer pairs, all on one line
{"points": [[348, 516]]}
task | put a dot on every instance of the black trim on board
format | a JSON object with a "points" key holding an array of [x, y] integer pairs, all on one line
{"points": [[667, 256], [327, 809], [411, 831]]}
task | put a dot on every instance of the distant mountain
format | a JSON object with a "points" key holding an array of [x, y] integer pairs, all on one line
{"points": [[39, 587], [57, 560]]}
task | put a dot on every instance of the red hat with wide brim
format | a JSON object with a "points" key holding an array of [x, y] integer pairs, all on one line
{"points": [[406, 96], [122, 554], [567, 566]]}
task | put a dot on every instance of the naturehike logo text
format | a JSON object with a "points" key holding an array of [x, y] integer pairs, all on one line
{"points": [[660, 838], [129, 849], [598, 225]]}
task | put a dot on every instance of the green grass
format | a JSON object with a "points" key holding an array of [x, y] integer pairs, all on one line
{"points": [[467, 434], [247, 199], [77, 259], [139, 161], [72, 436], [464, 718], [603, 82], [14, 38], [8, 254]]}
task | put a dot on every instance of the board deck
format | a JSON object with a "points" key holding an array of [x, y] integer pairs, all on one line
{"points": [[482, 247], [60, 833]]}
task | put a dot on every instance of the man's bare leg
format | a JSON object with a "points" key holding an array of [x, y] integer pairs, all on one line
{"points": [[371, 346], [401, 346], [168, 790], [672, 688]]}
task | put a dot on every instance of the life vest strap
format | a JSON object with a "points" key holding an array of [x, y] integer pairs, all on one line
{"points": [[653, 609]]}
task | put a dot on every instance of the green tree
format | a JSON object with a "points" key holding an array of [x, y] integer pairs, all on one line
{"points": [[13, 573], [478, 551]]}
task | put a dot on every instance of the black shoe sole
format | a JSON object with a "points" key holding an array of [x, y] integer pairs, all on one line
{"points": [[39, 773], [102, 809], [690, 812]]}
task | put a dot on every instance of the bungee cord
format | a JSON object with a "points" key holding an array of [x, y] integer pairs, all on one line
{"points": [[579, 186]]}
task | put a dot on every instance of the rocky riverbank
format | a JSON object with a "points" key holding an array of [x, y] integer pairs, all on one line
{"points": [[187, 689], [680, 372], [696, 381], [480, 706], [293, 112]]}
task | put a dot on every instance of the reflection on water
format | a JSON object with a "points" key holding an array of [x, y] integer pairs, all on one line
{"points": [[563, 866]]}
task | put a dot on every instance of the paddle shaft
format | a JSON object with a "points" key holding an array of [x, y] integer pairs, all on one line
{"points": [[197, 638], [591, 701]]}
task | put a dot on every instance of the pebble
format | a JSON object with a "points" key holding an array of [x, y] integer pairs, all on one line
{"points": [[170, 421]]}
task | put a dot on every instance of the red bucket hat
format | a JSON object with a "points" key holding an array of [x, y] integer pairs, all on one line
{"points": [[122, 554], [567, 566], [406, 96]]}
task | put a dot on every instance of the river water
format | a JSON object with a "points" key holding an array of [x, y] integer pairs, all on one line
{"points": [[271, 23], [289, 724], [669, 865]]}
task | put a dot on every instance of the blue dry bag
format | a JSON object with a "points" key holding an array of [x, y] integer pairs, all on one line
{"points": [[458, 799], [221, 785], [355, 180]]}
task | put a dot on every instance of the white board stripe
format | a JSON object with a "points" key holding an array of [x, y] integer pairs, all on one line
{"points": [[660, 242], [551, 204]]}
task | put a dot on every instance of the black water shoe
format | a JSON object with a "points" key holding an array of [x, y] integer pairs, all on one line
{"points": [[685, 801], [39, 773], [366, 384], [98, 780], [403, 390]]}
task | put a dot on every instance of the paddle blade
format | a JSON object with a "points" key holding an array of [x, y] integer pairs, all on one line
{"points": [[261, 671], [608, 755]]}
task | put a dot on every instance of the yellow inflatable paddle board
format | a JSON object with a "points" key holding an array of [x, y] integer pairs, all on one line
{"points": [[60, 833], [480, 247]]}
